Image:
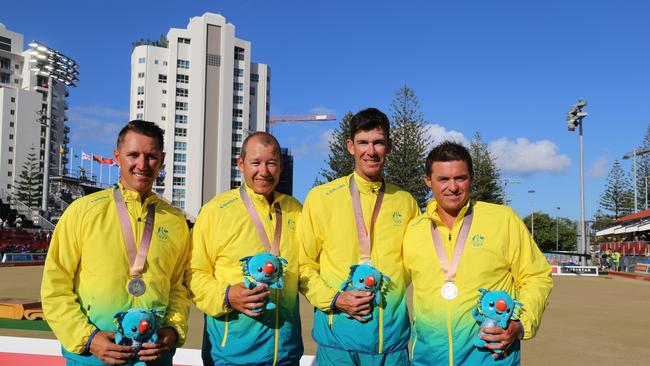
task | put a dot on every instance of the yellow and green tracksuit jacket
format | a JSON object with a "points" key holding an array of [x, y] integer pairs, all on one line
{"points": [[330, 246], [222, 235], [87, 269], [499, 255]]}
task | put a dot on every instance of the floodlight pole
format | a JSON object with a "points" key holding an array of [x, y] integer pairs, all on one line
{"points": [[583, 229], [557, 230], [46, 158]]}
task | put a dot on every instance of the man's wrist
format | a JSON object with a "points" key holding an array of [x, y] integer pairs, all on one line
{"points": [[521, 329], [90, 340], [226, 301], [333, 303]]}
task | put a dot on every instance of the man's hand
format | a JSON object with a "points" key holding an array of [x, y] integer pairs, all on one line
{"points": [[166, 340], [355, 303], [246, 300], [103, 347], [503, 337]]}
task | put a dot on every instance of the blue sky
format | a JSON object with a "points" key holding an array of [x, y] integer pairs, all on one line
{"points": [[508, 69]]}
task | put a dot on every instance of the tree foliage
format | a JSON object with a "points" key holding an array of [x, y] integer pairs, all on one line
{"points": [[29, 185], [405, 163], [643, 172], [618, 198], [339, 161], [162, 41], [548, 228], [486, 185]]}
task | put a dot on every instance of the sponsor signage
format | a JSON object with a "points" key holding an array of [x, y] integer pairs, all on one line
{"points": [[642, 268], [23, 257], [575, 270]]}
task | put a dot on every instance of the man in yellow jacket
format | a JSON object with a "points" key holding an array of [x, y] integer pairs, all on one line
{"points": [[89, 274], [331, 243], [457, 247], [240, 329]]}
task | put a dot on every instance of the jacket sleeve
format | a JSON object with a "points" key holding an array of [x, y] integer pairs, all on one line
{"points": [[311, 284], [178, 307], [532, 275], [64, 314], [207, 291]]}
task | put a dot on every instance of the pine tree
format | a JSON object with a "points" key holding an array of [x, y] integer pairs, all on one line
{"points": [[339, 161], [486, 184], [29, 184], [405, 164], [643, 172], [618, 198]]}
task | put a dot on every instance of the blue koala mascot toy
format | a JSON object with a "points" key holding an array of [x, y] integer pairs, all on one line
{"points": [[495, 308], [365, 277], [264, 269], [135, 327]]}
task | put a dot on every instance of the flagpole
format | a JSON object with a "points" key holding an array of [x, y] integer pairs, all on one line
{"points": [[100, 173], [70, 165], [110, 170], [92, 177]]}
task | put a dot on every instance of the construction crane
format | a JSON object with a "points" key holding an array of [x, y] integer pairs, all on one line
{"points": [[301, 118]]}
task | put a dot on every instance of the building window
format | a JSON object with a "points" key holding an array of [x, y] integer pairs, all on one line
{"points": [[163, 118], [12, 112], [236, 150], [140, 75], [11, 148], [178, 193], [10, 161], [239, 53], [180, 92], [9, 173], [11, 124], [140, 104], [238, 99], [238, 86], [236, 137], [141, 60], [181, 106], [155, 62], [164, 105], [180, 78], [236, 112], [182, 132], [255, 78], [183, 64], [162, 78], [183, 40], [139, 116], [179, 181], [180, 145], [13, 100], [11, 136], [180, 158], [252, 90], [239, 72], [237, 125], [164, 91], [140, 90], [179, 169], [181, 119], [164, 63]]}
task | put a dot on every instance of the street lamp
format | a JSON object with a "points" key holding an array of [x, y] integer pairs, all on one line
{"points": [[574, 119], [532, 214], [58, 68], [557, 230], [632, 155]]}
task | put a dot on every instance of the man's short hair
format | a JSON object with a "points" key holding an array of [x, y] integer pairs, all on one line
{"points": [[369, 119], [146, 128], [264, 138], [448, 151]]}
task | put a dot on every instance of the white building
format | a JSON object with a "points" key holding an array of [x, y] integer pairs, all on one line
{"points": [[23, 95], [205, 92]]}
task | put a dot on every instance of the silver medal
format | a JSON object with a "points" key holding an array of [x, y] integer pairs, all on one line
{"points": [[136, 286], [449, 291]]}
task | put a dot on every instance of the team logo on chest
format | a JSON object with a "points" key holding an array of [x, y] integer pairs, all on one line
{"points": [[397, 217], [478, 241], [162, 233]]}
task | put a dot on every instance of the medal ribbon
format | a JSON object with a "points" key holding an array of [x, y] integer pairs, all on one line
{"points": [[362, 232], [136, 261], [273, 248], [448, 268]]}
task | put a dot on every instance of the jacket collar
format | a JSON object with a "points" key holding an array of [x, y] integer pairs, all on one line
{"points": [[259, 199], [133, 196], [366, 187], [432, 212]]}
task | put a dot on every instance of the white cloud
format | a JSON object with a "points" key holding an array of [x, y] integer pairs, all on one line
{"points": [[526, 157], [438, 134], [92, 125], [598, 167], [313, 145]]}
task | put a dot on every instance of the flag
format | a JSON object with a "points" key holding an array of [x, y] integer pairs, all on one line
{"points": [[107, 161], [85, 156], [97, 158]]}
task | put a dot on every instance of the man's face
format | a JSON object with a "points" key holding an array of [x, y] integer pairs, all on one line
{"points": [[450, 182], [261, 167], [369, 149], [140, 160]]}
